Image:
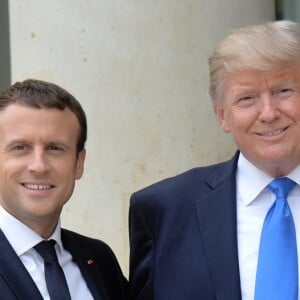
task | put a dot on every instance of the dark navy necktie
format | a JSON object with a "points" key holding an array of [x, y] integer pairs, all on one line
{"points": [[54, 275], [277, 268]]}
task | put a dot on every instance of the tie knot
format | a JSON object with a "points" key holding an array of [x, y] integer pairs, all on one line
{"points": [[46, 250], [281, 186]]}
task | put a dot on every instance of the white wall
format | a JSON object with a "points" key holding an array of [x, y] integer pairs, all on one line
{"points": [[139, 68]]}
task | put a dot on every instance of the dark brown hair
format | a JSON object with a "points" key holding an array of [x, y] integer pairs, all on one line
{"points": [[41, 94]]}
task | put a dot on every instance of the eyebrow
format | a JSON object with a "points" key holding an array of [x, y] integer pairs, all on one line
{"points": [[24, 141], [15, 141]]}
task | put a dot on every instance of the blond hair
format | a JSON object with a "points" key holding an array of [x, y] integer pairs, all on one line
{"points": [[263, 47]]}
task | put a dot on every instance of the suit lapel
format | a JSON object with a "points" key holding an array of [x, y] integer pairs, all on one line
{"points": [[216, 212], [15, 274], [87, 265]]}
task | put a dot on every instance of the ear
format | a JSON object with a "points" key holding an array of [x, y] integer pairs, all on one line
{"points": [[222, 118], [80, 164]]}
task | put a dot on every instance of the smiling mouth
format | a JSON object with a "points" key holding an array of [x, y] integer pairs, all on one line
{"points": [[37, 187], [273, 133]]}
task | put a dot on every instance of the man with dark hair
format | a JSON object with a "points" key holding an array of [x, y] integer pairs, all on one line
{"points": [[43, 131]]}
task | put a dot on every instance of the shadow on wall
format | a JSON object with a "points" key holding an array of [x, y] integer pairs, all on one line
{"points": [[5, 74], [288, 10]]}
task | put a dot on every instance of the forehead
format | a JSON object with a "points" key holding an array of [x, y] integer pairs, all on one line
{"points": [[261, 78], [256, 79], [18, 119]]}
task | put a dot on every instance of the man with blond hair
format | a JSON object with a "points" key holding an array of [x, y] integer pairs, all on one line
{"points": [[231, 231]]}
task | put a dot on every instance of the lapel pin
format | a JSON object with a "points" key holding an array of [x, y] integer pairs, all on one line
{"points": [[90, 262]]}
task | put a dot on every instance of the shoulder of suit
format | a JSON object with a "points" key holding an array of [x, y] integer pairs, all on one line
{"points": [[185, 179], [71, 237]]}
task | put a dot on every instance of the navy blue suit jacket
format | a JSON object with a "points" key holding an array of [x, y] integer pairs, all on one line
{"points": [[183, 237], [103, 276]]}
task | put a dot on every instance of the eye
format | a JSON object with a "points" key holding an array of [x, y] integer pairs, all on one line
{"points": [[20, 148], [283, 93], [246, 100], [54, 148]]}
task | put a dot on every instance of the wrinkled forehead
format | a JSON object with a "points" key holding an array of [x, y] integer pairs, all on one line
{"points": [[255, 80]]}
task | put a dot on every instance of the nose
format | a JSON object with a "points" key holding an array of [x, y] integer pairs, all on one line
{"points": [[268, 109], [38, 162]]}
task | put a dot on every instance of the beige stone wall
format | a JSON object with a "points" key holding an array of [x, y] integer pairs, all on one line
{"points": [[139, 68]]}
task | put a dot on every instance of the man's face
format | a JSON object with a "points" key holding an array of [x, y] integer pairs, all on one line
{"points": [[262, 112], [38, 163]]}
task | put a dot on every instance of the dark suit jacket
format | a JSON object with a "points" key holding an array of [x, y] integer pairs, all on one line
{"points": [[103, 276], [183, 237]]}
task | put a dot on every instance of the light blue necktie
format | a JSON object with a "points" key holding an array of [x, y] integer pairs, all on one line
{"points": [[277, 269]]}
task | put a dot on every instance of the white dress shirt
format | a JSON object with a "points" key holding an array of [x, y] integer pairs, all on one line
{"points": [[23, 239], [253, 203]]}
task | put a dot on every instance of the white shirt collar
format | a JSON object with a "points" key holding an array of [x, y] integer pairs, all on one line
{"points": [[20, 236], [251, 181]]}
